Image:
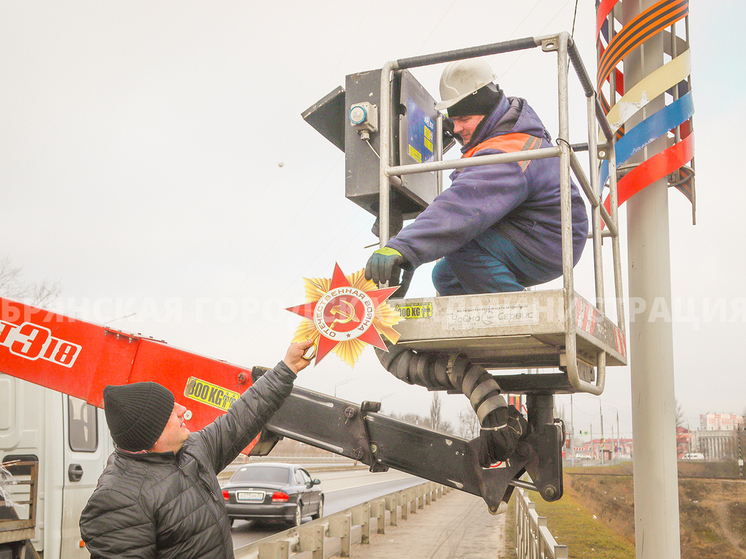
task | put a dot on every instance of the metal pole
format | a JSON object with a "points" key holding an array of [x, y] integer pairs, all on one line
{"points": [[412, 168], [603, 439], [651, 337], [618, 436], [572, 430], [438, 156], [563, 141], [740, 453], [384, 127], [596, 211]]}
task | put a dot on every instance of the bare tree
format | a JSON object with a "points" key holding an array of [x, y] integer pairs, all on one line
{"points": [[680, 421], [9, 276], [468, 424], [412, 418], [436, 408], [683, 436], [423, 421], [12, 285]]}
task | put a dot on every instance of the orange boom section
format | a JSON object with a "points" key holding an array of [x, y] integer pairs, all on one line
{"points": [[80, 358]]}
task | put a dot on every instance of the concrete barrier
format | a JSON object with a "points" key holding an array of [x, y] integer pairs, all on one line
{"points": [[335, 534]]}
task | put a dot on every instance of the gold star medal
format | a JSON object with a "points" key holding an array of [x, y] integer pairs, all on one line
{"points": [[344, 313]]}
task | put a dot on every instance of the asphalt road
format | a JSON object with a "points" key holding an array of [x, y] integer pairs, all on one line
{"points": [[342, 490]]}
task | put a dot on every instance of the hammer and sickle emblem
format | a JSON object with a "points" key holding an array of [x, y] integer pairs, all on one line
{"points": [[347, 316]]}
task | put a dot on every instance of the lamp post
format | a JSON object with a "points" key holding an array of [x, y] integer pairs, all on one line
{"points": [[385, 396], [340, 383]]}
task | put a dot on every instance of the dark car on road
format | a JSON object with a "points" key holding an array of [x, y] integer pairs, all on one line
{"points": [[271, 491]]}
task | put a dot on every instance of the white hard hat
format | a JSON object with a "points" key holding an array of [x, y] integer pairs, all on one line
{"points": [[462, 78]]}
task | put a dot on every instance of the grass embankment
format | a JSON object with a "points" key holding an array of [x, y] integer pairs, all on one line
{"points": [[584, 533], [595, 518]]}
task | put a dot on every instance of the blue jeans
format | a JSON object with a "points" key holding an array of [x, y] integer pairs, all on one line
{"points": [[488, 264]]}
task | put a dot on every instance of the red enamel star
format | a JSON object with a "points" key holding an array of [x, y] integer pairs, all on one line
{"points": [[345, 313]]}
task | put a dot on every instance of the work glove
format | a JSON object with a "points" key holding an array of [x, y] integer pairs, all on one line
{"points": [[385, 265]]}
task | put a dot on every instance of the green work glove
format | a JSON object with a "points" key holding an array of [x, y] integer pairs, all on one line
{"points": [[384, 265]]}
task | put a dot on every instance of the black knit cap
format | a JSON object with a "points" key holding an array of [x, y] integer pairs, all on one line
{"points": [[137, 413], [481, 102]]}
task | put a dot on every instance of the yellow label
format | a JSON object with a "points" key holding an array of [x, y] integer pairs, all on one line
{"points": [[210, 394], [416, 155], [415, 310]]}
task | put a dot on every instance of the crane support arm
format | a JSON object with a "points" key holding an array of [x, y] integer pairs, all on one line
{"points": [[80, 358]]}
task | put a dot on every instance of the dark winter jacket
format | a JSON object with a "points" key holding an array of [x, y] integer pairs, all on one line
{"points": [[521, 199], [166, 505]]}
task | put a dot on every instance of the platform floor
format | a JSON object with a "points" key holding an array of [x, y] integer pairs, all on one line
{"points": [[457, 526]]}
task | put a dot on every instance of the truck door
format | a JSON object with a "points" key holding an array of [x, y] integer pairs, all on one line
{"points": [[86, 451]]}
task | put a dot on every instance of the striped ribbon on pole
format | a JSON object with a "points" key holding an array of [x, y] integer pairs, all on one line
{"points": [[673, 121]]}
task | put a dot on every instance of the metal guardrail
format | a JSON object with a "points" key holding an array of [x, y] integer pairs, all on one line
{"points": [[312, 464], [332, 460], [533, 540], [334, 534]]}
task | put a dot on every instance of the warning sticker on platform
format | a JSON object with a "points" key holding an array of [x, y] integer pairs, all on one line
{"points": [[415, 310], [210, 394], [493, 315]]}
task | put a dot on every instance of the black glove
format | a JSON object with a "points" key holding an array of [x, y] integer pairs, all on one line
{"points": [[384, 265]]}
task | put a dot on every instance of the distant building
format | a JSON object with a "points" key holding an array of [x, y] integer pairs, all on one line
{"points": [[716, 445], [720, 421], [683, 441], [610, 449], [717, 435]]}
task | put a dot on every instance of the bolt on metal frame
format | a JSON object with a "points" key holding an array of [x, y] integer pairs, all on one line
{"points": [[567, 54]]}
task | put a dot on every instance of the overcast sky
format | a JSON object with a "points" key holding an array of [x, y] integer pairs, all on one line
{"points": [[153, 160]]}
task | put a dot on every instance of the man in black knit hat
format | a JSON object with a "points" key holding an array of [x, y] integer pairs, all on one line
{"points": [[159, 496], [497, 228]]}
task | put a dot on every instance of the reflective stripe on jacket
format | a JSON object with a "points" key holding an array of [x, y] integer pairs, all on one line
{"points": [[508, 143]]}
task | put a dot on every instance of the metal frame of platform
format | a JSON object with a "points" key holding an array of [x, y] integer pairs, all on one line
{"points": [[560, 328]]}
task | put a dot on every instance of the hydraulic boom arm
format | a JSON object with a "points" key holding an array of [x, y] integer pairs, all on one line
{"points": [[80, 358]]}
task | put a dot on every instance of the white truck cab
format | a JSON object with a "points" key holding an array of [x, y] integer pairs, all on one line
{"points": [[71, 442]]}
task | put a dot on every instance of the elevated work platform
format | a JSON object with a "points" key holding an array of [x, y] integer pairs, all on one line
{"points": [[520, 330], [526, 330]]}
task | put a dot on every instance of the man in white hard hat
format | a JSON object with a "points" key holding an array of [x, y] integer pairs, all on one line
{"points": [[497, 228]]}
